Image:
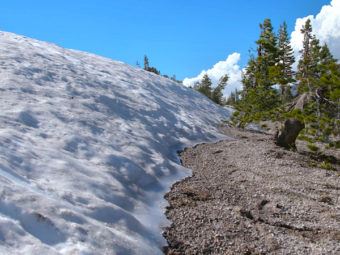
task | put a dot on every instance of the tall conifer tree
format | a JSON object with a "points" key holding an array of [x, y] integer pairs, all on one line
{"points": [[307, 67], [284, 62], [249, 76], [146, 63], [258, 94], [205, 86], [267, 54]]}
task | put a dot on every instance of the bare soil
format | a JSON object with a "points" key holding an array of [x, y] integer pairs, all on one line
{"points": [[248, 196]]}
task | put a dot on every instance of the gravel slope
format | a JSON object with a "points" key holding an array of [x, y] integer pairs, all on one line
{"points": [[247, 196]]}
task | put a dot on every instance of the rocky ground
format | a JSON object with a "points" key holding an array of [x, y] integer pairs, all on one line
{"points": [[248, 196]]}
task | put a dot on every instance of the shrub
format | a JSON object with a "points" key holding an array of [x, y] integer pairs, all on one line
{"points": [[326, 165], [312, 147]]}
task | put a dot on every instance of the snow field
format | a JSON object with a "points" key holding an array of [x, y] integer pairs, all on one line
{"points": [[88, 147]]}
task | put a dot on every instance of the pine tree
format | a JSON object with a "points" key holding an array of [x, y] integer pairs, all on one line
{"points": [[146, 63], [307, 67], [329, 90], [205, 86], [285, 61], [267, 43], [317, 107], [326, 57], [267, 54], [249, 76], [319, 77], [258, 97], [154, 70], [263, 70], [217, 93], [149, 68]]}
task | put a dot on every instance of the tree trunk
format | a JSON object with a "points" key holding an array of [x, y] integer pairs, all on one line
{"points": [[287, 136]]}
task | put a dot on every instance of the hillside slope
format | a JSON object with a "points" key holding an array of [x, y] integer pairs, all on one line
{"points": [[88, 149]]}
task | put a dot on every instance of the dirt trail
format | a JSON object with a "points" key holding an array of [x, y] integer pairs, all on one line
{"points": [[250, 197]]}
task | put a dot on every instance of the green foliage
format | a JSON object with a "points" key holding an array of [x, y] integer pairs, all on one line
{"points": [[262, 70], [259, 99], [317, 78], [258, 104], [326, 165], [283, 72], [335, 144], [307, 63], [204, 86], [267, 44], [146, 62], [216, 94], [306, 138], [153, 70], [313, 148], [250, 76], [149, 68]]}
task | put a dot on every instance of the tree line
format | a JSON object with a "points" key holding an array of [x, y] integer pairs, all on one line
{"points": [[215, 94], [273, 90]]}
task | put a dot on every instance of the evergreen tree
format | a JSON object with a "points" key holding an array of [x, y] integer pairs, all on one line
{"points": [[260, 74], [267, 43], [149, 68], [205, 86], [329, 90], [154, 70], [319, 77], [329, 72], [267, 55], [249, 77], [146, 63], [217, 93], [285, 61], [326, 57], [259, 99], [263, 70], [307, 67], [316, 109]]}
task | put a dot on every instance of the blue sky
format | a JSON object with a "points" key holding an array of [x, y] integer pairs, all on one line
{"points": [[180, 37]]}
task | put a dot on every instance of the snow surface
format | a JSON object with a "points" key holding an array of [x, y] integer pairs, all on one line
{"points": [[88, 149]]}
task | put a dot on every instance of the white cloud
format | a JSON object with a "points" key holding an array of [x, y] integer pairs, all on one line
{"points": [[229, 66], [326, 26]]}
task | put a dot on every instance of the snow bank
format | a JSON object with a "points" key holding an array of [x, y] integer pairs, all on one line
{"points": [[88, 149]]}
